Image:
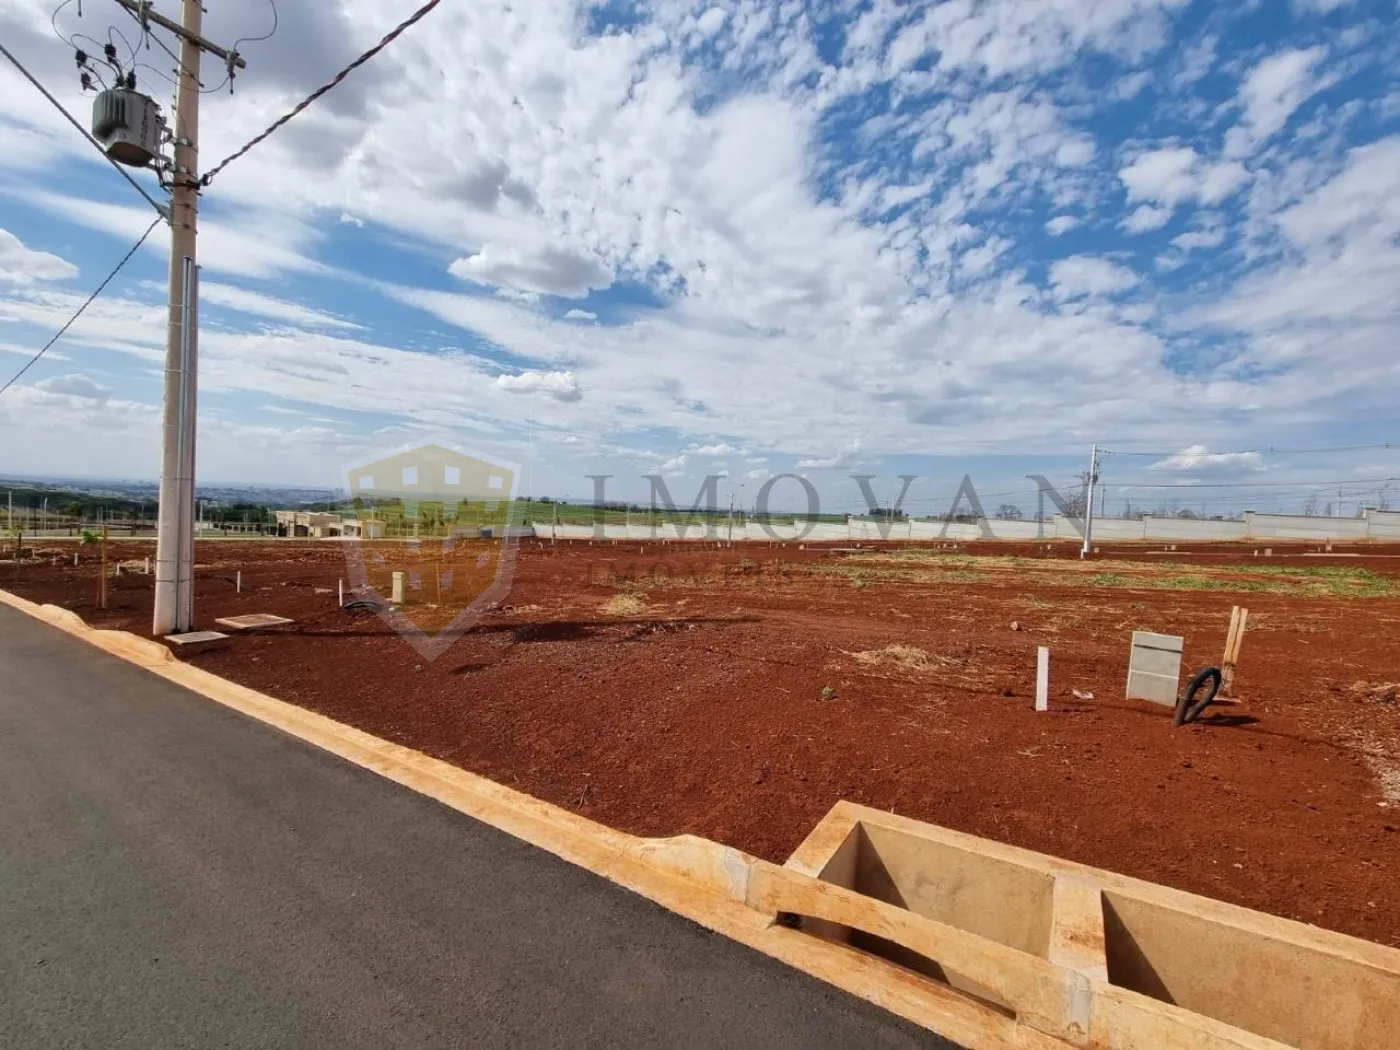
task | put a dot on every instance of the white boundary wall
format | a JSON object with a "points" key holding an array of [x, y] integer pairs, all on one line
{"points": [[1303, 527], [1194, 529], [1377, 525]]}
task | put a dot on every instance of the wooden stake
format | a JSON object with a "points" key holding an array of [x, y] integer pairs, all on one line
{"points": [[1239, 637], [1230, 635], [1238, 618]]}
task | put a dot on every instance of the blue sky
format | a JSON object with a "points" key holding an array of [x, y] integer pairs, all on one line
{"points": [[744, 238]]}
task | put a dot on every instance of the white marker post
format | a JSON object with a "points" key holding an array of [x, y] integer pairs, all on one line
{"points": [[1042, 679], [340, 590], [238, 582]]}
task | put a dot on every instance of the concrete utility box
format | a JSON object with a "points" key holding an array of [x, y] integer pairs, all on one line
{"points": [[1154, 668], [196, 641]]}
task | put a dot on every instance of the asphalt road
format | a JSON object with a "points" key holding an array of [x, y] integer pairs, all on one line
{"points": [[173, 874]]}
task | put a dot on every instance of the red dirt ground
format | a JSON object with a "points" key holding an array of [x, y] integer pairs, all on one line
{"points": [[695, 704]]}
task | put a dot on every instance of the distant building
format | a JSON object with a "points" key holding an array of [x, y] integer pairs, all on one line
{"points": [[318, 525], [362, 529]]}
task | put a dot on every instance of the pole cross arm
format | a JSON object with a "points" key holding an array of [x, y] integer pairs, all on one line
{"points": [[145, 13]]}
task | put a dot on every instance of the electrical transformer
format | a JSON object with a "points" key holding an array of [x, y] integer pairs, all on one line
{"points": [[129, 126]]}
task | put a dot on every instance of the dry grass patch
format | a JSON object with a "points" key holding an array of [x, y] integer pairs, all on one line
{"points": [[907, 658], [624, 605], [1384, 762]]}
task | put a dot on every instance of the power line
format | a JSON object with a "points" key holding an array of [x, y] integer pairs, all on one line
{"points": [[1193, 486], [79, 312], [276, 21], [1207, 456], [389, 38], [160, 208]]}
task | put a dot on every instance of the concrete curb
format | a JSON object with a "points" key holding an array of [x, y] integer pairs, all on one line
{"points": [[701, 880]]}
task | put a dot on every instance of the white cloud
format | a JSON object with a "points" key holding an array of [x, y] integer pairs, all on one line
{"points": [[259, 245], [256, 303], [561, 386], [1146, 217], [346, 219], [1175, 174], [717, 178], [1131, 85], [28, 351], [580, 315], [544, 269], [1004, 38], [1322, 315], [721, 449], [1211, 236], [23, 265], [1090, 275], [1320, 6], [1219, 181], [1200, 457], [1271, 93], [1197, 59], [75, 384], [1075, 153], [846, 457], [1360, 204], [711, 22]]}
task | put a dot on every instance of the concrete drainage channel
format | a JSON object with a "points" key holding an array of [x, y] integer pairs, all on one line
{"points": [[984, 943], [1086, 957]]}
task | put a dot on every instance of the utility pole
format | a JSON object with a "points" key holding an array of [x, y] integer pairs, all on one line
{"points": [[1090, 480], [174, 597], [174, 590]]}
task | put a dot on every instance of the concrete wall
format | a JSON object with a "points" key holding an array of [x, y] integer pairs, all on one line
{"points": [[1304, 527], [1376, 526], [1107, 530], [1382, 525], [1189, 529], [1019, 530]]}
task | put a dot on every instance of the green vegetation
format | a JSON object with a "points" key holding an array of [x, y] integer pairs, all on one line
{"points": [[862, 574], [1265, 579], [61, 507], [1107, 579], [934, 567]]}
